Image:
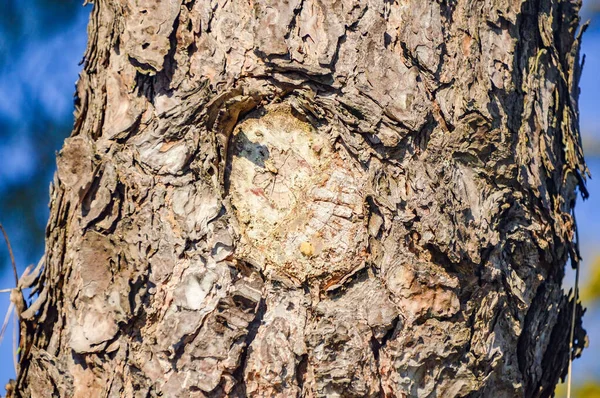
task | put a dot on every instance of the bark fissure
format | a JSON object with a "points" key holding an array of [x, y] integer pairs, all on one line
{"points": [[253, 328]]}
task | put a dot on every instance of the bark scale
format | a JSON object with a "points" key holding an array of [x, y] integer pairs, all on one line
{"points": [[308, 198]]}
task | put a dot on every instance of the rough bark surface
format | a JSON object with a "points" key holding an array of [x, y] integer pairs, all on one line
{"points": [[310, 198]]}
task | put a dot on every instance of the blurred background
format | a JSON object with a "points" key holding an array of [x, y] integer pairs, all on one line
{"points": [[41, 45]]}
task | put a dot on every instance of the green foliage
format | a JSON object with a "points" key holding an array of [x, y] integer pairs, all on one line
{"points": [[590, 291], [588, 389]]}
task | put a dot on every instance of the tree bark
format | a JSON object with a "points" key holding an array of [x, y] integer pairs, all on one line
{"points": [[308, 198]]}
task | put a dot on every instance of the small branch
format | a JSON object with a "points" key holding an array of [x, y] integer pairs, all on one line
{"points": [[12, 257], [16, 342], [574, 314], [6, 319]]}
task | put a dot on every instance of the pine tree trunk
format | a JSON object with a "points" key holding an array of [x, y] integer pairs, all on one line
{"points": [[304, 198]]}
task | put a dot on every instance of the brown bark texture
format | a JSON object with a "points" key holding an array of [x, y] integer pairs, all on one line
{"points": [[308, 198]]}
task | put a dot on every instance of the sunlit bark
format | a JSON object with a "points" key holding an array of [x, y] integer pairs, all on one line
{"points": [[308, 198]]}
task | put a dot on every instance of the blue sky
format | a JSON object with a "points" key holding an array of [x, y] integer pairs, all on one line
{"points": [[41, 78]]}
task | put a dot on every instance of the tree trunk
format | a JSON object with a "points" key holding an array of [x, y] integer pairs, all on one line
{"points": [[309, 198]]}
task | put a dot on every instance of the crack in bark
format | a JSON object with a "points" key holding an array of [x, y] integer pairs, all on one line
{"points": [[301, 372], [292, 23], [376, 347], [253, 328]]}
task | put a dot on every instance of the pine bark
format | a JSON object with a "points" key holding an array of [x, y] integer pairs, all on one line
{"points": [[309, 198]]}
